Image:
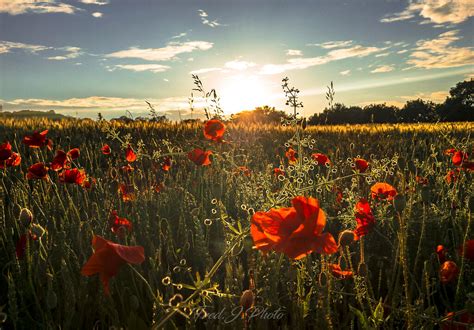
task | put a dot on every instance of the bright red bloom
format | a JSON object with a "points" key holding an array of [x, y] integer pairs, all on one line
{"points": [[77, 176], [166, 164], [337, 272], [361, 164], [364, 217], [295, 231], [382, 190], [130, 155], [74, 153], [291, 155], [321, 159], [214, 130], [278, 171], [14, 160], [37, 171], [60, 161], [468, 250], [119, 225], [8, 158], [89, 183], [450, 151], [463, 317], [38, 140], [106, 149], [453, 175], [459, 157], [441, 252], [200, 157], [127, 191], [108, 257], [448, 272]]}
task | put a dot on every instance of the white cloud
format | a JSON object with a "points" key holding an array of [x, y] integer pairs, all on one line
{"points": [[333, 44], [294, 52], [439, 53], [183, 34], [7, 46], [438, 96], [239, 65], [435, 11], [345, 72], [155, 68], [97, 14], [72, 52], [17, 7], [383, 69], [205, 70], [95, 2], [403, 51], [205, 20], [166, 53], [382, 54]]}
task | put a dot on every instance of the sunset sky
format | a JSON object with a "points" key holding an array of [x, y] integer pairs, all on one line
{"points": [[87, 56]]}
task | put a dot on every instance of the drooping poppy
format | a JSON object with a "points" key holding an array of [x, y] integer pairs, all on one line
{"points": [[337, 272], [459, 157], [214, 130], [14, 160], [38, 140], [321, 159], [383, 191], [74, 153], [468, 250], [448, 272], [361, 165], [106, 149], [441, 252], [77, 176], [166, 165], [119, 225], [295, 231], [130, 155], [8, 158], [60, 161], [37, 171], [89, 183], [364, 217], [108, 257], [127, 191], [278, 171], [200, 157], [291, 155]]}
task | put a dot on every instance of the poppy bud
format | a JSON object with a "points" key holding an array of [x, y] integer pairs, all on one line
{"points": [[323, 279], [37, 230], [399, 202], [134, 303], [362, 270], [346, 238], [26, 217], [426, 195], [51, 299], [247, 300]]}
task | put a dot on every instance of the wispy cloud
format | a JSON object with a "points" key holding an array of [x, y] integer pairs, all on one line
{"points": [[206, 21], [435, 11], [7, 46], [166, 53], [345, 72], [181, 35], [383, 69], [97, 14], [333, 44], [382, 54], [95, 2], [205, 70], [437, 96], [440, 53], [72, 52], [239, 65], [155, 68], [17, 7], [294, 52]]}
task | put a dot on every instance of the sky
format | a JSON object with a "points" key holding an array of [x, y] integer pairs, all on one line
{"points": [[81, 57]]}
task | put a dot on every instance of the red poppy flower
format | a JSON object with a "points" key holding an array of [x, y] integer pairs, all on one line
{"points": [[364, 217], [243, 170], [37, 171], [130, 155], [20, 247], [157, 187], [339, 195], [468, 251], [361, 164], [200, 157], [77, 176], [278, 171], [166, 164], [127, 191], [106, 149], [8, 158], [38, 140], [448, 272], [108, 257], [441, 252], [337, 272], [291, 155], [453, 175], [119, 225], [295, 231], [14, 160], [382, 190], [127, 168], [421, 180], [450, 151], [60, 161], [214, 130], [465, 317], [89, 183], [459, 157], [74, 153], [321, 159]]}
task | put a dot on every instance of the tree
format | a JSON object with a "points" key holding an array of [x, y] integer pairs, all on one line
{"points": [[263, 115], [418, 111], [459, 106]]}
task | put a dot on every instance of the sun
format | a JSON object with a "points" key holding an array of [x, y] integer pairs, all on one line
{"points": [[244, 92]]}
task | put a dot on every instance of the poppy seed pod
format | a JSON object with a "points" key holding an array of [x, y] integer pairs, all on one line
{"points": [[246, 300], [399, 202], [362, 270], [346, 238], [426, 195], [37, 230], [26, 217]]}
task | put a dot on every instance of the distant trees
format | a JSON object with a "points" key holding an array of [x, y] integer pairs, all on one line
{"points": [[261, 115]]}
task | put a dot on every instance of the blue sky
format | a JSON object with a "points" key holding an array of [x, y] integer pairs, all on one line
{"points": [[85, 56]]}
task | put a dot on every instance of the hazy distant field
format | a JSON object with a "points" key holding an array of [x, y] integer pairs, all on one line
{"points": [[193, 223]]}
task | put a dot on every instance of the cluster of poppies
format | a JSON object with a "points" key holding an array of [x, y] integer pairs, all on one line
{"points": [[449, 270], [460, 160], [8, 158]]}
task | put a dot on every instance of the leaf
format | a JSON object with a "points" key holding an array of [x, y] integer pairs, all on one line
{"points": [[364, 323], [378, 313]]}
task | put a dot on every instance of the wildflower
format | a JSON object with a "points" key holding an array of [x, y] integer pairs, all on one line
{"points": [[452, 175], [448, 272], [278, 171], [127, 168], [468, 250], [321, 159], [60, 161], [108, 257], [74, 175], [106, 149], [74, 153], [441, 252], [364, 217], [421, 180], [166, 164], [214, 130], [89, 183], [8, 158], [295, 231], [38, 140], [337, 272], [465, 317], [200, 157], [291, 155], [37, 171], [119, 225], [26, 217], [127, 191], [361, 164], [243, 169], [130, 154], [382, 190]]}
